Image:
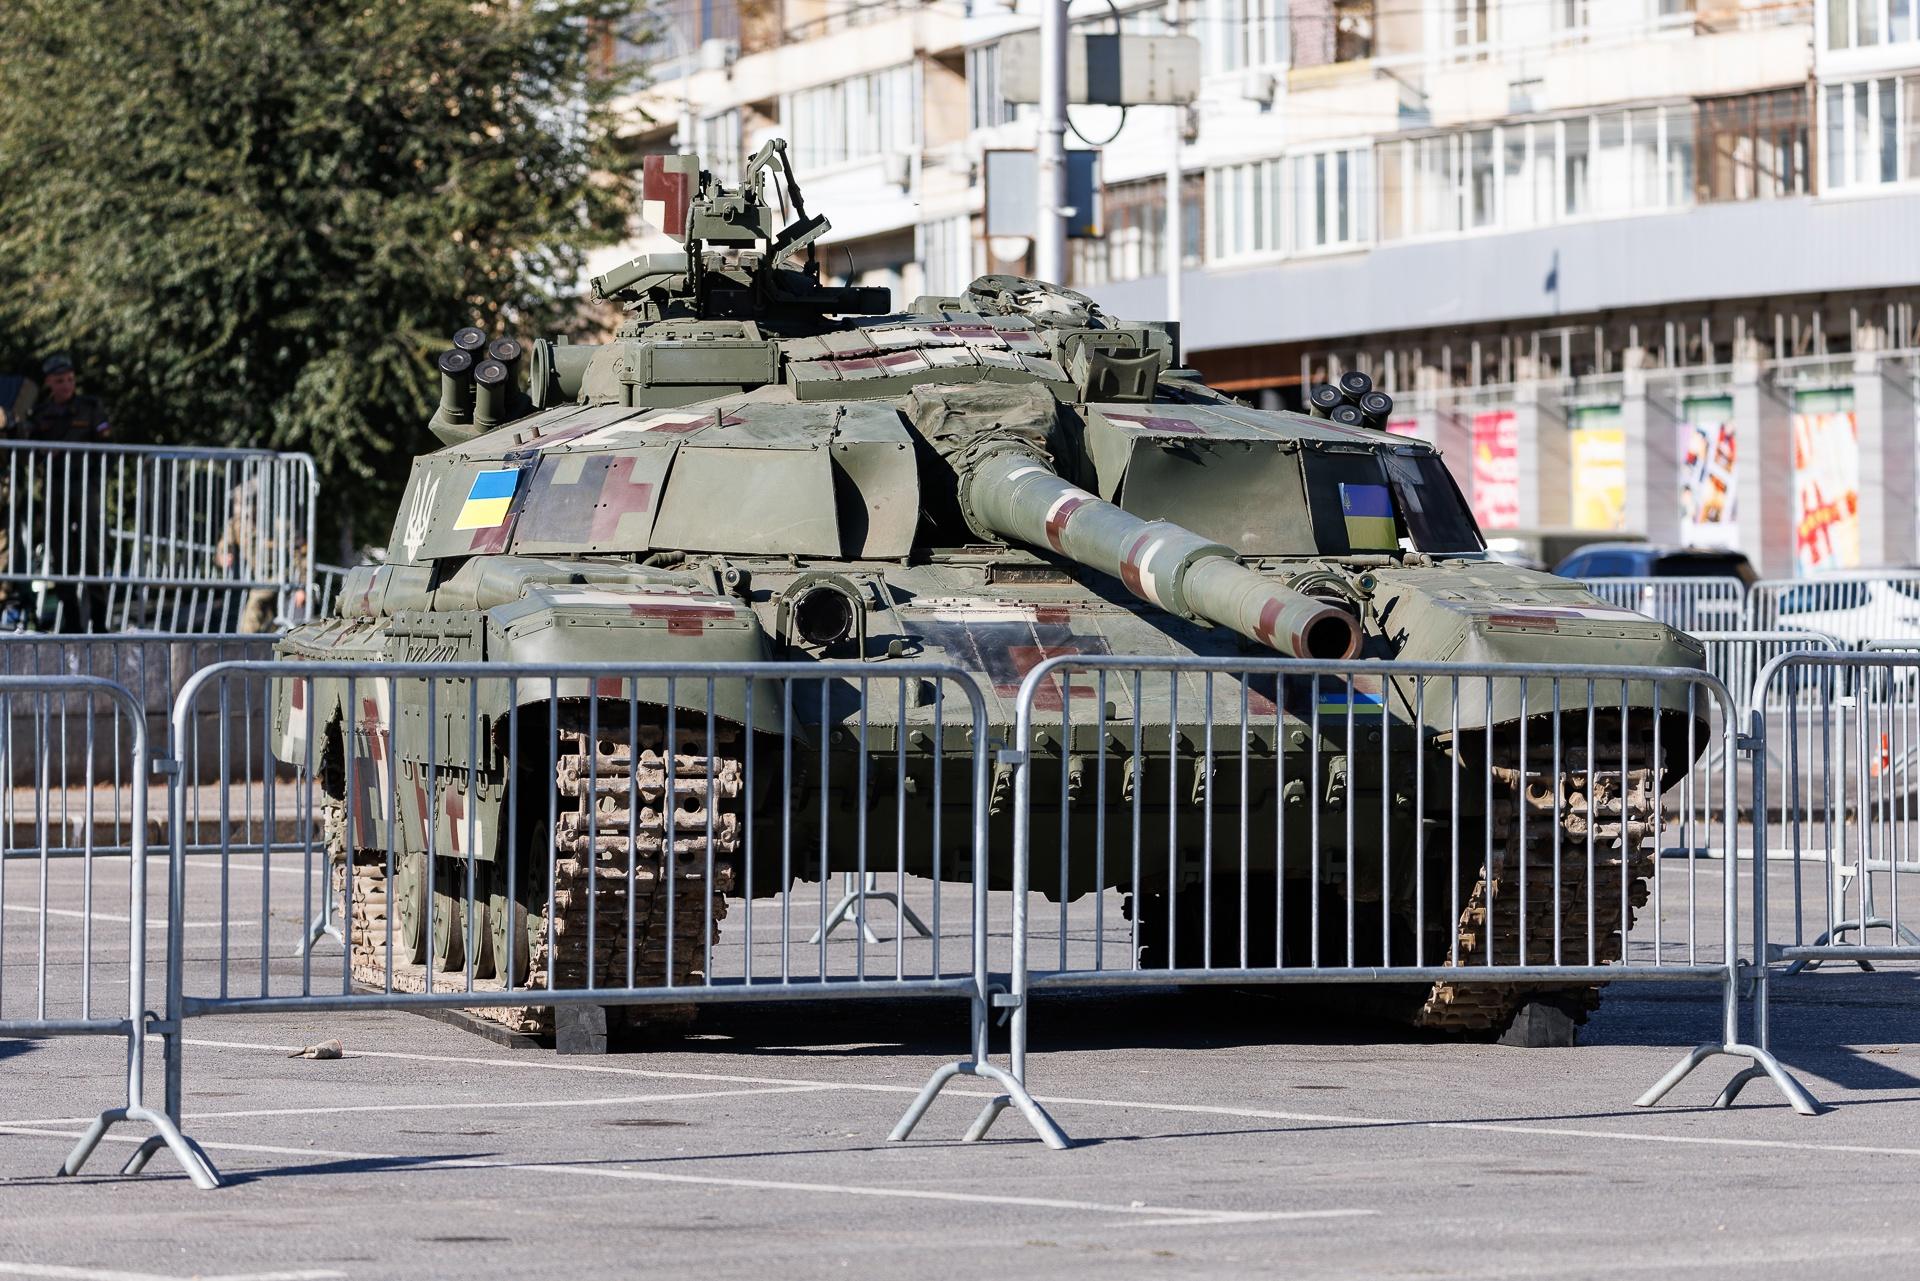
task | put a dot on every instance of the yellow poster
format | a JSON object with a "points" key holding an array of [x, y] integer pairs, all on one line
{"points": [[1599, 477]]}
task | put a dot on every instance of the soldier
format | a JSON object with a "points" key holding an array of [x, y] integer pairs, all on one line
{"points": [[17, 395], [249, 548], [70, 521]]}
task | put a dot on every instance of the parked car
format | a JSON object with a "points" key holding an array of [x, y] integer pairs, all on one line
{"points": [[1655, 560], [1697, 589]]}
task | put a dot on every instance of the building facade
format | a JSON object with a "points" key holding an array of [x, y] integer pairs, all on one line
{"points": [[1645, 265]]}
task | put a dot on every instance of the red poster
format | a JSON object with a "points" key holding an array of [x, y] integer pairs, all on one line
{"points": [[1496, 469]]}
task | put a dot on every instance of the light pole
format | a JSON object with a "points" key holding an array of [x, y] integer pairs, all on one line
{"points": [[1050, 225]]}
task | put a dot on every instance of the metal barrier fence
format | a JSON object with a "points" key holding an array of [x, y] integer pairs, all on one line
{"points": [[1690, 604], [1855, 607], [555, 847], [1464, 837], [56, 965], [325, 589], [119, 537], [1847, 821]]}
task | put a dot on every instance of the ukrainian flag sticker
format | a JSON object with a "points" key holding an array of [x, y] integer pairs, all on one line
{"points": [[488, 500], [1369, 514]]}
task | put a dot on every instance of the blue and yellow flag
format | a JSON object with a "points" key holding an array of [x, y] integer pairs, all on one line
{"points": [[1369, 513], [488, 500]]}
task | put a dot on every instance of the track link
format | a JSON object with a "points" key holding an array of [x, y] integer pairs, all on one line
{"points": [[1577, 889], [612, 892]]}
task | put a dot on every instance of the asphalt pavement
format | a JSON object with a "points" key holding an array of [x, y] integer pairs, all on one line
{"points": [[1216, 1133]]}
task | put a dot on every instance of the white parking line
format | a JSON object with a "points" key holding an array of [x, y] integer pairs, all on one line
{"points": [[61, 1273], [488, 1105], [156, 924], [1146, 1105], [1164, 1215]]}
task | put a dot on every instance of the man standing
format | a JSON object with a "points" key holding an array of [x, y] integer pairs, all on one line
{"points": [[62, 414], [71, 522], [16, 407]]}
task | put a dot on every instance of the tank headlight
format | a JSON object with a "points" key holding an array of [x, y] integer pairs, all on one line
{"points": [[819, 613]]}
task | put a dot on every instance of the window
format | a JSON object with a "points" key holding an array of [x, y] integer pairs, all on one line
{"points": [[854, 119], [987, 108], [945, 252], [1864, 24], [1245, 204], [1243, 33], [1534, 173], [1467, 28], [1330, 199], [1134, 240], [1870, 132], [1754, 147], [718, 144]]}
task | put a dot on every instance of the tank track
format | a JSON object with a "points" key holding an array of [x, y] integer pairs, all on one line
{"points": [[1619, 833], [590, 858]]}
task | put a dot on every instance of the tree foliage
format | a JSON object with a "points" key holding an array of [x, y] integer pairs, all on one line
{"points": [[255, 222]]}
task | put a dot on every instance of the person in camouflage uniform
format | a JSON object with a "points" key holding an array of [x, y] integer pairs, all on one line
{"points": [[68, 509], [17, 396], [249, 548]]}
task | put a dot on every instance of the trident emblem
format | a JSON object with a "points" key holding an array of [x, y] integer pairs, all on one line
{"points": [[420, 516]]}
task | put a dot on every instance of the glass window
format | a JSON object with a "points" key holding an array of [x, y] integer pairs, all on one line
{"points": [[1899, 20], [1480, 195], [1610, 163], [1430, 504], [1752, 146], [1679, 158], [1837, 136], [1910, 95], [1868, 12], [1840, 23], [1393, 189], [1860, 122], [1242, 33], [1889, 131], [1575, 144], [1643, 144]]}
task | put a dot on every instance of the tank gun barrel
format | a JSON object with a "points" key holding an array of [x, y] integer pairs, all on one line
{"points": [[1016, 495]]}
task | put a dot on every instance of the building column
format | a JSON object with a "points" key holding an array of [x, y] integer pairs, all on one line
{"points": [[1650, 424], [1546, 467], [1884, 425], [1763, 468]]}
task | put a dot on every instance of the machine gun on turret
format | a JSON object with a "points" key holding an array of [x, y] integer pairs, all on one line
{"points": [[738, 263]]}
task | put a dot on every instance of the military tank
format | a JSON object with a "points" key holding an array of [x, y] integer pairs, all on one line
{"points": [[987, 480]]}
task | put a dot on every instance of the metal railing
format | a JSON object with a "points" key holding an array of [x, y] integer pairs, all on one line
{"points": [[117, 537], [51, 962], [1458, 834], [1713, 604], [1855, 607], [555, 846]]}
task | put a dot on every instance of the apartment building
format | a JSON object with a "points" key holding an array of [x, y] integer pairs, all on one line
{"points": [[1636, 264]]}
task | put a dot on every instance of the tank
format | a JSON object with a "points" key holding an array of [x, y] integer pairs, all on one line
{"points": [[762, 466]]}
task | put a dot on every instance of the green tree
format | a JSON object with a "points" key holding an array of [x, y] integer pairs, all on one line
{"points": [[256, 222]]}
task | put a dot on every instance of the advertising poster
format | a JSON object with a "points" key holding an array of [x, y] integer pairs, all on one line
{"points": [[1404, 426], [1707, 488], [1826, 483], [1496, 469], [1599, 455]]}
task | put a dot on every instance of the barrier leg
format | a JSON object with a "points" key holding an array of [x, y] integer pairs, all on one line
{"points": [[1760, 1061], [853, 901], [320, 927]]}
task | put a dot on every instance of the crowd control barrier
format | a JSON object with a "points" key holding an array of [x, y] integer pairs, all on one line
{"points": [[63, 939], [558, 847], [1458, 838], [121, 537], [1856, 607], [1690, 604]]}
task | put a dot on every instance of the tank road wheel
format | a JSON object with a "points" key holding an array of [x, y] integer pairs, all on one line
{"points": [[449, 927], [410, 908], [510, 934]]}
